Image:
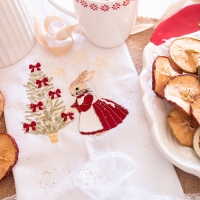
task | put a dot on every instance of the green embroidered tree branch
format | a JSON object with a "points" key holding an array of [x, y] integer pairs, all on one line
{"points": [[45, 108]]}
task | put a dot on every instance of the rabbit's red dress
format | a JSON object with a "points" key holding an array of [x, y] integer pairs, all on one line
{"points": [[98, 115]]}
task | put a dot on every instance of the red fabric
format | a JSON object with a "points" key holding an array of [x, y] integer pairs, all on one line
{"points": [[181, 23], [108, 115]]}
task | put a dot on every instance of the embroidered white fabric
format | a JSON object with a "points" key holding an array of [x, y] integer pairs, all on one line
{"points": [[111, 176], [97, 178], [100, 178]]}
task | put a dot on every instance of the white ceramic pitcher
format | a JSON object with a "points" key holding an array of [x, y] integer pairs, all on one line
{"points": [[106, 23], [17, 31]]}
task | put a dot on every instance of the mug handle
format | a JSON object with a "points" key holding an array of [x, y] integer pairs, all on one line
{"points": [[60, 6]]}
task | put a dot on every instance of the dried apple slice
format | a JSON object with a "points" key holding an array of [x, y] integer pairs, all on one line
{"points": [[162, 71], [185, 52], [182, 126], [195, 109], [175, 66], [181, 91], [1, 104], [196, 142], [8, 154]]}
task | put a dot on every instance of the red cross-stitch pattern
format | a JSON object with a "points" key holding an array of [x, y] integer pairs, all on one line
{"points": [[94, 6], [105, 8], [84, 3], [116, 6], [126, 2]]}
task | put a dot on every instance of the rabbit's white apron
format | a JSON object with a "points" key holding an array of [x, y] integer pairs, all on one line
{"points": [[89, 120]]}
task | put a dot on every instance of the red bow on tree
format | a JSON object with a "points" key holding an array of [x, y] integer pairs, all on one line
{"points": [[33, 67], [57, 92], [44, 81], [31, 125], [65, 115], [34, 106]]}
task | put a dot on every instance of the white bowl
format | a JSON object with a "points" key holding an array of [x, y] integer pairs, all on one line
{"points": [[157, 109]]}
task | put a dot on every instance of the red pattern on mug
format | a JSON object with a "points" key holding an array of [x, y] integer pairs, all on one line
{"points": [[84, 3], [94, 6], [105, 8], [116, 6], [126, 2]]}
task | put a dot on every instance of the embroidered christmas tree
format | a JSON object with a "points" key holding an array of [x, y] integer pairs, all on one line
{"points": [[46, 112]]}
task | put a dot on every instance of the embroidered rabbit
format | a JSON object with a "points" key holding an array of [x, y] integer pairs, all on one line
{"points": [[97, 115]]}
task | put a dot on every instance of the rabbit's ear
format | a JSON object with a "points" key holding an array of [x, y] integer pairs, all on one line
{"points": [[82, 76], [89, 76]]}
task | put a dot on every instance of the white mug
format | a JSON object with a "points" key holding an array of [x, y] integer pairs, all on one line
{"points": [[106, 23], [17, 35]]}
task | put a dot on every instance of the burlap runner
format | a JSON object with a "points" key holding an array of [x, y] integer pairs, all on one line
{"points": [[7, 185], [135, 44]]}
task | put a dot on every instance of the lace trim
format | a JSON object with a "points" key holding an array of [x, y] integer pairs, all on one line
{"points": [[101, 179], [121, 196]]}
